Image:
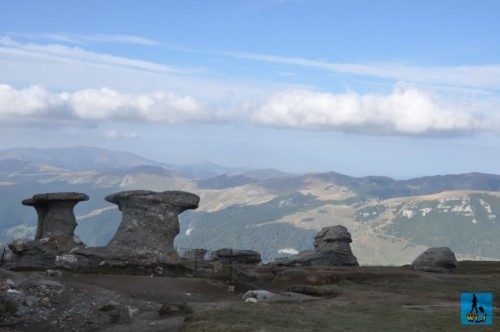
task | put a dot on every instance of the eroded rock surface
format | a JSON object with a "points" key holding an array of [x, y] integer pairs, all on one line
{"points": [[148, 227], [331, 247], [228, 256], [437, 259], [55, 227]]}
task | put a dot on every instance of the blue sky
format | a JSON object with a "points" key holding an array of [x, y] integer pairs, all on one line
{"points": [[396, 88]]}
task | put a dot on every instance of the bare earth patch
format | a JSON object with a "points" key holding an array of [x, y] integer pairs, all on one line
{"points": [[353, 299]]}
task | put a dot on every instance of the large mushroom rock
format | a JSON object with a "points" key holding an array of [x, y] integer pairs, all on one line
{"points": [[437, 259], [56, 223], [331, 247], [149, 225]]}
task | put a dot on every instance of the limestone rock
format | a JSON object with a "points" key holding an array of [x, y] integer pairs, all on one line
{"points": [[437, 259], [228, 256]]}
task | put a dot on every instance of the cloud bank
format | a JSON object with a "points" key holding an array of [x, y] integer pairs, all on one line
{"points": [[406, 111], [36, 103]]}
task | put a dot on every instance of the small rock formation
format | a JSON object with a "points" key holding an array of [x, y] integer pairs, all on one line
{"points": [[437, 259], [331, 247], [148, 227], [56, 225], [227, 256], [195, 254]]}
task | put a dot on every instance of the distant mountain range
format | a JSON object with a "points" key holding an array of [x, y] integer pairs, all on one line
{"points": [[273, 212]]}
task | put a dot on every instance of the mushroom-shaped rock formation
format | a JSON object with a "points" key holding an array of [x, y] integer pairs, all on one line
{"points": [[55, 213], [56, 224], [437, 259], [331, 247], [148, 227]]}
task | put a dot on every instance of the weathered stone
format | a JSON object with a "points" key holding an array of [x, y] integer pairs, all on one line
{"points": [[55, 227], [194, 254], [331, 247], [55, 213], [228, 256], [437, 259], [148, 227]]}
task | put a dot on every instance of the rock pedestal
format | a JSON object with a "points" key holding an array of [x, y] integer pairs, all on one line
{"points": [[148, 227], [56, 224], [437, 259], [331, 247]]}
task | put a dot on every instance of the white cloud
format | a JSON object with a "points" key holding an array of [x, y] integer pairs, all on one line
{"points": [[405, 111], [113, 134], [102, 104]]}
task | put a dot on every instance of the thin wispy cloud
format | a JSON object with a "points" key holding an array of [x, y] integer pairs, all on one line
{"points": [[63, 54], [86, 39], [474, 76]]}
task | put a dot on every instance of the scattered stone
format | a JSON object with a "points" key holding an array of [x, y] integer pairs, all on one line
{"points": [[437, 259], [173, 309], [54, 273], [159, 270], [259, 295], [120, 315]]}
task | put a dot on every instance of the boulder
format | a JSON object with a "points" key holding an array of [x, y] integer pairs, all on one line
{"points": [[227, 256], [437, 259]]}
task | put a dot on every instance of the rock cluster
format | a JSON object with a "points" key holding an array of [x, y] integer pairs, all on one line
{"points": [[227, 256], [148, 227], [55, 227], [195, 254], [331, 247], [437, 259]]}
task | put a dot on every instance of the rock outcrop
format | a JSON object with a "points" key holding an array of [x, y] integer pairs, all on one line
{"points": [[331, 247], [55, 227], [227, 256], [148, 227], [437, 259], [195, 254]]}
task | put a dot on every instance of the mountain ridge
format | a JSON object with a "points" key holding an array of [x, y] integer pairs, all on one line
{"points": [[275, 212]]}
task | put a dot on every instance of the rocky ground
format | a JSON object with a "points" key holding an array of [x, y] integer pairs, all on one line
{"points": [[309, 299]]}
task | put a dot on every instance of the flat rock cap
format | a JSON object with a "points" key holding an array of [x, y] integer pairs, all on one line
{"points": [[60, 196], [146, 197]]}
